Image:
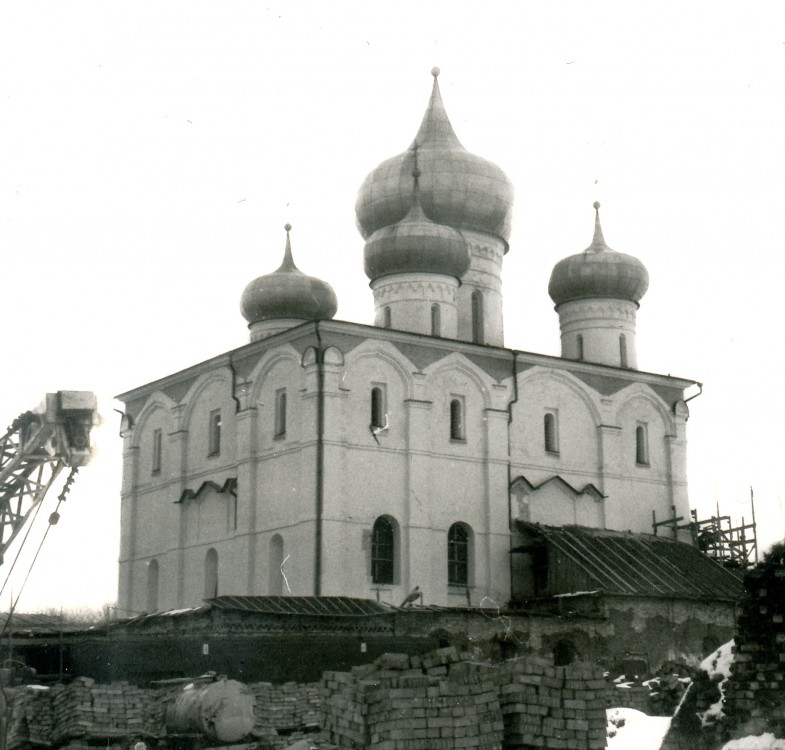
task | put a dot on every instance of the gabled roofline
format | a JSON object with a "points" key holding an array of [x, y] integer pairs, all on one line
{"points": [[308, 329]]}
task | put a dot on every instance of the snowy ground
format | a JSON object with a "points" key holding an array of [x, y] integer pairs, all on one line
{"points": [[634, 730]]}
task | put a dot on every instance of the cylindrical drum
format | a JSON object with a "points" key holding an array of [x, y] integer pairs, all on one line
{"points": [[222, 710]]}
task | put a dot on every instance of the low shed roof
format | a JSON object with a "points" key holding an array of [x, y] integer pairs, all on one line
{"points": [[639, 564]]}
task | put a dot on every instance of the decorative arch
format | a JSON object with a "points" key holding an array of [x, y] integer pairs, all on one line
{"points": [[276, 576], [642, 392], [457, 363], [153, 575], [391, 356], [587, 395], [267, 364], [198, 388], [211, 574], [157, 401]]}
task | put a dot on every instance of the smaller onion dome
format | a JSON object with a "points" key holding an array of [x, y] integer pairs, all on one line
{"points": [[288, 293], [415, 244], [598, 272]]}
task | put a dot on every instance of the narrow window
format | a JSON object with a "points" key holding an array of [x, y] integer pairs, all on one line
{"points": [[551, 432], [152, 586], [458, 555], [276, 565], [387, 317], [383, 551], [579, 341], [280, 413], [436, 320], [457, 431], [215, 433], [641, 445], [623, 350], [156, 451], [377, 407], [478, 324], [211, 574]]}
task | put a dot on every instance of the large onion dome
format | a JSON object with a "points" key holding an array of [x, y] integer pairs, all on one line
{"points": [[598, 272], [415, 244], [288, 293], [458, 189]]}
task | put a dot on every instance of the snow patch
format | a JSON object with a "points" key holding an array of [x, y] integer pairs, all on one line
{"points": [[718, 665], [719, 662], [629, 728], [762, 742]]}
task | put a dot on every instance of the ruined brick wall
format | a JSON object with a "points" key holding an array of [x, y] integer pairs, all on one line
{"points": [[756, 689]]}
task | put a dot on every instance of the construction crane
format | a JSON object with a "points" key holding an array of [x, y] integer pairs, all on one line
{"points": [[38, 445], [36, 448]]}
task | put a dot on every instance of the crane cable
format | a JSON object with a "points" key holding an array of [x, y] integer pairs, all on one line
{"points": [[21, 546], [54, 517]]}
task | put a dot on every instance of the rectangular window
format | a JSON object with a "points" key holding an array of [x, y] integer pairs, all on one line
{"points": [[214, 433], [157, 447], [280, 413]]}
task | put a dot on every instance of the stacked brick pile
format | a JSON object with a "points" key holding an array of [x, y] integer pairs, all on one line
{"points": [[81, 709], [552, 707], [395, 704], [756, 689], [287, 708]]}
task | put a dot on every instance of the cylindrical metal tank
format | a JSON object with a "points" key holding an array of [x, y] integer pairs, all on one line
{"points": [[222, 710]]}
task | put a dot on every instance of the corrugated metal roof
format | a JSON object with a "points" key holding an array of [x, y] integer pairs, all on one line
{"points": [[327, 606], [640, 564]]}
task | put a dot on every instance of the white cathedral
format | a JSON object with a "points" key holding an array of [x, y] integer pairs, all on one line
{"points": [[329, 458]]}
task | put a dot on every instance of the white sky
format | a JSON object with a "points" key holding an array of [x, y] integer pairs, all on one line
{"points": [[152, 152]]}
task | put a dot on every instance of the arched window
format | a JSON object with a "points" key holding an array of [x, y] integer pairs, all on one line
{"points": [[641, 445], [211, 574], [579, 342], [152, 586], [276, 563], [623, 350], [214, 439], [478, 324], [383, 551], [436, 320], [457, 431], [280, 413], [458, 555], [387, 317], [551, 432], [157, 450], [377, 406]]}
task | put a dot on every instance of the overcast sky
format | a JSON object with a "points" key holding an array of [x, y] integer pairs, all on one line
{"points": [[151, 153]]}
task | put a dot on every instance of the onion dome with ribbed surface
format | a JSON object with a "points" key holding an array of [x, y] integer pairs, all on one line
{"points": [[415, 244], [458, 189], [288, 293], [598, 272]]}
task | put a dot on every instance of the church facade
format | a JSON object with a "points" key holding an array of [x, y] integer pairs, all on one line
{"points": [[328, 458]]}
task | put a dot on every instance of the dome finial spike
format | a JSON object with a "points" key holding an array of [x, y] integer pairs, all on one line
{"points": [[598, 241], [288, 260], [435, 70]]}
